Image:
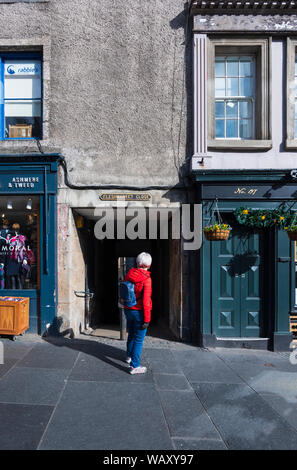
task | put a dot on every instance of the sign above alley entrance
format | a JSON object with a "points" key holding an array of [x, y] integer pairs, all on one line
{"points": [[125, 196]]}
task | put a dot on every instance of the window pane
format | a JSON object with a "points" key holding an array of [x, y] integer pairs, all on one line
{"points": [[19, 87], [231, 109], [245, 68], [296, 87], [245, 87], [245, 128], [220, 86], [232, 86], [219, 109], [22, 119], [295, 129], [22, 108], [234, 117], [22, 79], [245, 109], [220, 68], [295, 65], [231, 128], [219, 128], [232, 67], [19, 241]]}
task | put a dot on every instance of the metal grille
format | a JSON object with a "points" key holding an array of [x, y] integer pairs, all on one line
{"points": [[198, 5]]}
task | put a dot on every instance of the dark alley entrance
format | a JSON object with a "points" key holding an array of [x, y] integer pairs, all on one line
{"points": [[104, 268]]}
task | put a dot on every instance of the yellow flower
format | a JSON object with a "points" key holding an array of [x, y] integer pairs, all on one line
{"points": [[245, 211], [281, 218], [263, 217], [285, 228]]}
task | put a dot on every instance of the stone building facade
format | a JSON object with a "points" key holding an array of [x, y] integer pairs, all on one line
{"points": [[116, 118], [158, 105], [244, 162]]}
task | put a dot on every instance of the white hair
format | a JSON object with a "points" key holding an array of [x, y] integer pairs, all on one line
{"points": [[144, 260]]}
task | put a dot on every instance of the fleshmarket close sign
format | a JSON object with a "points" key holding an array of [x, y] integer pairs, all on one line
{"points": [[109, 197]]}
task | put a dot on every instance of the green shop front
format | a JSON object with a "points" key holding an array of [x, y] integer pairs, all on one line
{"points": [[247, 282], [28, 227]]}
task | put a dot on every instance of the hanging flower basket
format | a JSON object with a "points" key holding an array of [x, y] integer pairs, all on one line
{"points": [[217, 232], [292, 232], [262, 218]]}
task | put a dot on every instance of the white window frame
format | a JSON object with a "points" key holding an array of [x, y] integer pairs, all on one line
{"points": [[291, 139], [238, 99], [260, 49]]}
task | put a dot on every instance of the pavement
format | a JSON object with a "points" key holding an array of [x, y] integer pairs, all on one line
{"points": [[77, 394]]}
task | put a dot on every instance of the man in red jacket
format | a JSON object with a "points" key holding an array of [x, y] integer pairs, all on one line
{"points": [[139, 316]]}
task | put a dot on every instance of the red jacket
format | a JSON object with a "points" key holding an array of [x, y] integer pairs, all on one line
{"points": [[141, 279]]}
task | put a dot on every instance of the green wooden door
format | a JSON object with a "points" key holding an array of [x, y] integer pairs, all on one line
{"points": [[237, 286]]}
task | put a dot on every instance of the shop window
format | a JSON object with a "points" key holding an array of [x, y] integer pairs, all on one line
{"points": [[19, 242], [22, 97], [238, 94]]}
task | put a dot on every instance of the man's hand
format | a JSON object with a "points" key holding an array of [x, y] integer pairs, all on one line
{"points": [[144, 326]]}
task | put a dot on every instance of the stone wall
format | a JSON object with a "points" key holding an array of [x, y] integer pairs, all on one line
{"points": [[119, 108]]}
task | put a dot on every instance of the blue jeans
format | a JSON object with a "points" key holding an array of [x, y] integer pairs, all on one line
{"points": [[135, 335]]}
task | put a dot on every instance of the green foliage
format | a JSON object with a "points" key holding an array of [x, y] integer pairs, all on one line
{"points": [[217, 226], [291, 228], [264, 218]]}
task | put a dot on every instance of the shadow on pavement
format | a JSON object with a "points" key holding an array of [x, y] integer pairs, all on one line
{"points": [[104, 352]]}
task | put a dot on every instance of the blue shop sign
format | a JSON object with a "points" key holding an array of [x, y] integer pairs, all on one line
{"points": [[24, 182], [28, 181]]}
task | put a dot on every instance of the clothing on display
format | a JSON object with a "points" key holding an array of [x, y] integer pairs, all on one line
{"points": [[18, 269]]}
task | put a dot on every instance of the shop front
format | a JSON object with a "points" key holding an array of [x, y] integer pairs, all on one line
{"points": [[247, 282], [28, 191]]}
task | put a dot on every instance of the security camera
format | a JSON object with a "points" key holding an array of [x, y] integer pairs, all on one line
{"points": [[293, 173]]}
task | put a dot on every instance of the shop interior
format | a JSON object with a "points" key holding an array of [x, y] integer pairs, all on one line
{"points": [[19, 242]]}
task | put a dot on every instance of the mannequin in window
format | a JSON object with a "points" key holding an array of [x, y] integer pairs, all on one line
{"points": [[3, 240], [16, 258]]}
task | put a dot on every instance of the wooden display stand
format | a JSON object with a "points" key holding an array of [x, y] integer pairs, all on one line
{"points": [[14, 315], [18, 131], [293, 324]]}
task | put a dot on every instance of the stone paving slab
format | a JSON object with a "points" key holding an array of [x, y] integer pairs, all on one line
{"points": [[106, 369], [250, 364], [205, 366], [16, 349], [244, 420], [96, 415], [162, 361], [171, 382], [186, 417], [286, 408], [21, 426], [8, 364], [283, 384], [32, 386], [199, 444], [49, 356]]}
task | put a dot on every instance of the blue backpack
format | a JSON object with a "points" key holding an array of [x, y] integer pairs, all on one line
{"points": [[127, 294]]}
